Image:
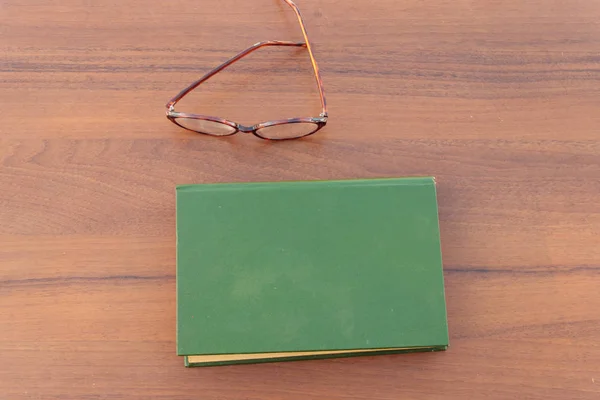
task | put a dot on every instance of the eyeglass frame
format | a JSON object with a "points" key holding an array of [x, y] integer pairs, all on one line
{"points": [[319, 121]]}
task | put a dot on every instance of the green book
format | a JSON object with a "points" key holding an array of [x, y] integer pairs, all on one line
{"points": [[274, 271]]}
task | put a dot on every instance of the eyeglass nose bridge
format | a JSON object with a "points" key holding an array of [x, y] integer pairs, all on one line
{"points": [[246, 129]]}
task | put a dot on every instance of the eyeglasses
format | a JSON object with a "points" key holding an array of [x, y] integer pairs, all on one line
{"points": [[292, 128]]}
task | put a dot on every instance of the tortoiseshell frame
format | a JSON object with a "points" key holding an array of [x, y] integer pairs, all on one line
{"points": [[319, 121]]}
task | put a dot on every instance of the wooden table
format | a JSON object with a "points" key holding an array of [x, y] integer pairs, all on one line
{"points": [[500, 100]]}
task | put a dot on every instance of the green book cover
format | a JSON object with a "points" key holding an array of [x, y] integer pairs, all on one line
{"points": [[276, 271]]}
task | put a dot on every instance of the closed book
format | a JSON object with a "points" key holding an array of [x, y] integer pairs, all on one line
{"points": [[274, 271]]}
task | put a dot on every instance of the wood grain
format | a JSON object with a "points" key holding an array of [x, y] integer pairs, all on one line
{"points": [[498, 100]]}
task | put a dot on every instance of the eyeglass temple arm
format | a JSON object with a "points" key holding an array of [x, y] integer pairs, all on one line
{"points": [[227, 63], [249, 50], [312, 57]]}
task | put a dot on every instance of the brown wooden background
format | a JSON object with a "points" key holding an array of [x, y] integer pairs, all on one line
{"points": [[500, 100]]}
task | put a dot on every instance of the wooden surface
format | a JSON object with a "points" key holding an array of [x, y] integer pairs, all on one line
{"points": [[497, 99]]}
